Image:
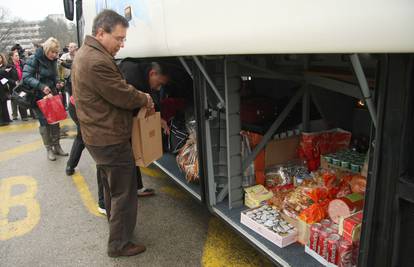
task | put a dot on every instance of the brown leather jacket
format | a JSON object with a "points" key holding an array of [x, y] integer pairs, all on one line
{"points": [[104, 101]]}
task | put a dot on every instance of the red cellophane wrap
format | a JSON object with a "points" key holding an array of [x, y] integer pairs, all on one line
{"points": [[52, 109], [319, 209], [337, 183], [334, 185], [312, 145]]}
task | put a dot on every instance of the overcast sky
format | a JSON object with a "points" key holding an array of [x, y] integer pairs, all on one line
{"points": [[32, 9]]}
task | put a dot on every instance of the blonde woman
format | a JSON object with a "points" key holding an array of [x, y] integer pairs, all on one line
{"points": [[40, 74]]}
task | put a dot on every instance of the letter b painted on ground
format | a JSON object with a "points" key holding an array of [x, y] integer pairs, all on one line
{"points": [[27, 199]]}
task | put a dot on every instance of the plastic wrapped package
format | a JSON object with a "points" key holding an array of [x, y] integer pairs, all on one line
{"points": [[259, 162], [312, 145], [298, 199], [358, 184], [249, 177], [187, 157], [284, 176], [336, 181], [278, 198], [319, 208]]}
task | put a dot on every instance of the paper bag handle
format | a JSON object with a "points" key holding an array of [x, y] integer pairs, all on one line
{"points": [[145, 112]]}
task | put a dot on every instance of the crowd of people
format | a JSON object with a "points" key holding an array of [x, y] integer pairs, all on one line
{"points": [[102, 100], [12, 64]]}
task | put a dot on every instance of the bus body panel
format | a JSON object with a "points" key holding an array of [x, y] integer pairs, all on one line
{"points": [[194, 27]]}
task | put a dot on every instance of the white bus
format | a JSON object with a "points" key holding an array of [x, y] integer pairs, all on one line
{"points": [[322, 63]]}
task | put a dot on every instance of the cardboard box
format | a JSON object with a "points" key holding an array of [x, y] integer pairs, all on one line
{"points": [[350, 227], [146, 137], [256, 196], [278, 240], [302, 227], [303, 232], [281, 150]]}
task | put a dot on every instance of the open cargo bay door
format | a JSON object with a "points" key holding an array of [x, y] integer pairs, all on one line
{"points": [[389, 209], [211, 94], [387, 238]]}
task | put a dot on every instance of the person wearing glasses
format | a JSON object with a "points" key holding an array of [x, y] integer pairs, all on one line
{"points": [[104, 104]]}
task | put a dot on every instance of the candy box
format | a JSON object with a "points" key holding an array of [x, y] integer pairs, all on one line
{"points": [[268, 222]]}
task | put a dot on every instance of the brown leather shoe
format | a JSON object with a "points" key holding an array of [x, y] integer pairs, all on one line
{"points": [[130, 249]]}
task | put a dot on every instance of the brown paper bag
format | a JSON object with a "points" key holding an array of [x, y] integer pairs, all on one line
{"points": [[146, 137]]}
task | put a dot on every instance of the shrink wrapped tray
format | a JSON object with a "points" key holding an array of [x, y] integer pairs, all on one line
{"points": [[312, 145], [345, 254], [269, 223], [345, 206]]}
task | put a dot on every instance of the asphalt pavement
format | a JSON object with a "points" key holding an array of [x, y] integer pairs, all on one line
{"points": [[50, 219]]}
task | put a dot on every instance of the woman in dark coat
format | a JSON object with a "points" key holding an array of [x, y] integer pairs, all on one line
{"points": [[17, 64], [6, 77], [40, 74]]}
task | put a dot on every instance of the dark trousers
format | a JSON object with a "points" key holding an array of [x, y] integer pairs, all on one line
{"points": [[116, 168], [15, 107], [76, 153], [101, 200], [78, 145], [4, 112]]}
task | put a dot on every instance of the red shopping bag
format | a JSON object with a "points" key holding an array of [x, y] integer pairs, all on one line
{"points": [[52, 108]]}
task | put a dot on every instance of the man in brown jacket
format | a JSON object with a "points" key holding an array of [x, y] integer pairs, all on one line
{"points": [[104, 104]]}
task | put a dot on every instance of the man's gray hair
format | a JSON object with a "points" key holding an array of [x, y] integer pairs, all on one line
{"points": [[160, 69], [107, 20]]}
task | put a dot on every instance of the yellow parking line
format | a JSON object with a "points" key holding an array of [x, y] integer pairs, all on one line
{"points": [[173, 192], [152, 172], [85, 194], [28, 126], [223, 247], [21, 127], [20, 150]]}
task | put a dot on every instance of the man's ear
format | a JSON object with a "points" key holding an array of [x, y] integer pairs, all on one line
{"points": [[99, 33], [152, 72]]}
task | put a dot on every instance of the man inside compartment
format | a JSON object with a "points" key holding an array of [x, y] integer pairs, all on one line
{"points": [[104, 105], [149, 78]]}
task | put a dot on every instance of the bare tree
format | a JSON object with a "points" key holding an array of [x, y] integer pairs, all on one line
{"points": [[58, 28], [7, 27]]}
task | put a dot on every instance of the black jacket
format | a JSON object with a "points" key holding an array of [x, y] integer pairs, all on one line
{"points": [[39, 72], [137, 75], [11, 76]]}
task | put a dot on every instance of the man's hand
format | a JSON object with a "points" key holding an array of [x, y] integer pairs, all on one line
{"points": [[150, 103], [46, 90], [165, 127]]}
